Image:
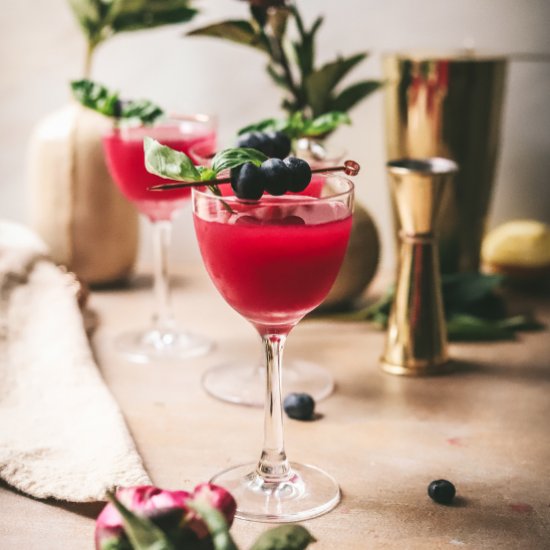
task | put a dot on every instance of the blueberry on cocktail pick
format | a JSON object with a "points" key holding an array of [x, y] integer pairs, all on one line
{"points": [[271, 144], [246, 182], [301, 174], [276, 176], [281, 144], [299, 406]]}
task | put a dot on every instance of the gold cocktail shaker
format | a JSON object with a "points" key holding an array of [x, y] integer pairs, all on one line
{"points": [[416, 339], [449, 106]]}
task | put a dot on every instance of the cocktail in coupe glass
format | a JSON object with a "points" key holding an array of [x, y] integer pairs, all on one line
{"points": [[124, 153], [274, 261], [243, 382]]}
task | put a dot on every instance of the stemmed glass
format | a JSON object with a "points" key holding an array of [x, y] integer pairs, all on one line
{"points": [[243, 382], [274, 261], [123, 148]]}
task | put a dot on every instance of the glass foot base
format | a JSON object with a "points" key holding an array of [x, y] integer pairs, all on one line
{"points": [[148, 346], [307, 493], [244, 384]]}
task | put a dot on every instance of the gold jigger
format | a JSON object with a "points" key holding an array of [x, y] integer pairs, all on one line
{"points": [[416, 341]]}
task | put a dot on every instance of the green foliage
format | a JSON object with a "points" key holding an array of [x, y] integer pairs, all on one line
{"points": [[100, 19], [284, 537], [217, 526], [297, 126], [168, 163], [473, 309], [99, 98], [308, 88], [231, 158], [142, 533]]}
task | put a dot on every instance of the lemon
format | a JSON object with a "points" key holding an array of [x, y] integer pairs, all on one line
{"points": [[519, 248]]}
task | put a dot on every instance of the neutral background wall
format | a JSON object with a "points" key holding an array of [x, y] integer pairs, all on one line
{"points": [[41, 49]]}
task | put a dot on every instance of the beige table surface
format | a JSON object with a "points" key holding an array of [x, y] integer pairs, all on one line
{"points": [[486, 428]]}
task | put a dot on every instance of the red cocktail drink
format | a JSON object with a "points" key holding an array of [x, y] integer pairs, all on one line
{"points": [[274, 260]]}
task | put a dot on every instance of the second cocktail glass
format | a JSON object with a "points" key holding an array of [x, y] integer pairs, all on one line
{"points": [[124, 153], [274, 261]]}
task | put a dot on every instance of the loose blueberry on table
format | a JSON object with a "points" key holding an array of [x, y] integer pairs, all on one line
{"points": [[441, 491], [299, 406]]}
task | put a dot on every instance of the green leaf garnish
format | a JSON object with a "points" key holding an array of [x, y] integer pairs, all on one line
{"points": [[168, 163], [298, 126], [284, 537], [142, 533], [99, 98], [231, 158]]}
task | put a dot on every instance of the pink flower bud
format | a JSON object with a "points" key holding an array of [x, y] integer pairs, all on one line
{"points": [[166, 509]]}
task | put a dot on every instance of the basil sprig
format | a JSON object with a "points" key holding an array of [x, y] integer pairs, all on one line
{"points": [[99, 98], [168, 163], [298, 126], [474, 311]]}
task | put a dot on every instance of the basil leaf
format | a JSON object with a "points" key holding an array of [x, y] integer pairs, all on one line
{"points": [[350, 96], [231, 158], [134, 15], [99, 98], [266, 125], [168, 163], [95, 96], [320, 83], [239, 31], [325, 123], [287, 537], [142, 532]]}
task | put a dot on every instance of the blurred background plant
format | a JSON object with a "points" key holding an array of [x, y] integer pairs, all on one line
{"points": [[313, 96], [101, 19]]}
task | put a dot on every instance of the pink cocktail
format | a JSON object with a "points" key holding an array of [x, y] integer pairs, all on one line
{"points": [[274, 261], [125, 159]]}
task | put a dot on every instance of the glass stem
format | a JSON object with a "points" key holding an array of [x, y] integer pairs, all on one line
{"points": [[273, 465], [163, 319]]}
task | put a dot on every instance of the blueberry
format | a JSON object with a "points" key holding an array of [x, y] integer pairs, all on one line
{"points": [[299, 406], [442, 491], [301, 174], [253, 140], [276, 176], [247, 182], [281, 144]]}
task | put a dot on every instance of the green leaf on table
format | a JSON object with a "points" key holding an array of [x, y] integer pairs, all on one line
{"points": [[462, 288], [142, 533], [231, 158], [469, 328], [350, 96], [168, 163], [325, 123], [320, 84], [284, 537], [99, 98], [215, 521], [239, 31]]}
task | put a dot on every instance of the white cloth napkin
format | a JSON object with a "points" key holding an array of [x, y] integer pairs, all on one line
{"points": [[62, 434]]}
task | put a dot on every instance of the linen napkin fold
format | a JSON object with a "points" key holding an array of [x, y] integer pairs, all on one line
{"points": [[62, 434]]}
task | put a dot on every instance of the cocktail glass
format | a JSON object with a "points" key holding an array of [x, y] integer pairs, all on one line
{"points": [[243, 382], [274, 261], [123, 146]]}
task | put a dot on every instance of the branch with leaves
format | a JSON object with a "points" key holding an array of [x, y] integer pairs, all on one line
{"points": [[101, 19], [277, 29]]}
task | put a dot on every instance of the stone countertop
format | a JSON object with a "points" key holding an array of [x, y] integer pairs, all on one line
{"points": [[384, 438]]}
